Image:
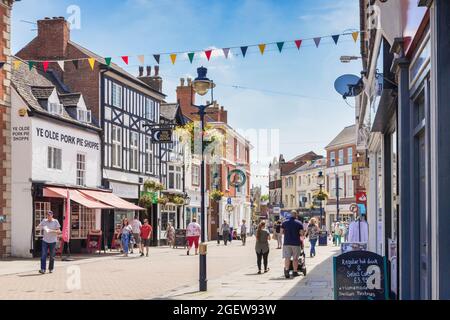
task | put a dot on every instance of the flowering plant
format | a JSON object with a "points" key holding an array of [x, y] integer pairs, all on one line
{"points": [[216, 195]]}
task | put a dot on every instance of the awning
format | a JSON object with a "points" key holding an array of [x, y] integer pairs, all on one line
{"points": [[76, 196], [111, 199]]}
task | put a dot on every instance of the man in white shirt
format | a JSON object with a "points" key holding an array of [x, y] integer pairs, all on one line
{"points": [[136, 225], [52, 229], [193, 232]]}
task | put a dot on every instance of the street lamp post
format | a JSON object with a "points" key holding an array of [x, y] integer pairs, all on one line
{"points": [[201, 86], [321, 182]]}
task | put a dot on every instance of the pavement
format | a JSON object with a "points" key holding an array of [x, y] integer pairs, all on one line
{"points": [[167, 274], [247, 284]]}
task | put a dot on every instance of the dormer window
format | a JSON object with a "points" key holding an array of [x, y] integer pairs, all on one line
{"points": [[84, 116], [55, 108]]}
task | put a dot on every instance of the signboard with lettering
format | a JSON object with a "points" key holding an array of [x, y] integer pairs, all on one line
{"points": [[360, 275], [162, 135]]}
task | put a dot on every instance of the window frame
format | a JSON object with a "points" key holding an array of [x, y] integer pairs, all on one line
{"points": [[134, 151], [81, 172], [52, 158], [117, 95], [116, 142]]}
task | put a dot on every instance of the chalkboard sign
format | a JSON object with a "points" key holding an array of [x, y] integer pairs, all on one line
{"points": [[360, 275], [180, 238]]}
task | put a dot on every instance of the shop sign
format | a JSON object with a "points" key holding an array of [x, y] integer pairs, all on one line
{"points": [[276, 210], [66, 138], [127, 191], [229, 207], [360, 275], [162, 135], [236, 178]]}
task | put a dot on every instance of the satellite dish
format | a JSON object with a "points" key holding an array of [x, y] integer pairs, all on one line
{"points": [[348, 85]]}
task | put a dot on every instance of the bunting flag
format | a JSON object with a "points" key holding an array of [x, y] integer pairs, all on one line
{"points": [[173, 58], [45, 66], [208, 54], [108, 61], [61, 65], [141, 59], [226, 51], [125, 59], [91, 63], [280, 46], [30, 65], [335, 38], [262, 47], [355, 35], [156, 56], [317, 41], [244, 51], [16, 64], [298, 43], [191, 56], [75, 63]]}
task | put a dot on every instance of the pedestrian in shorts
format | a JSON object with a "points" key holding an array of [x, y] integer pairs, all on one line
{"points": [[292, 229], [136, 226], [146, 233]]}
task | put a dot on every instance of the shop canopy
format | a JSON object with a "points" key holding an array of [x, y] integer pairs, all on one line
{"points": [[111, 199], [75, 195]]}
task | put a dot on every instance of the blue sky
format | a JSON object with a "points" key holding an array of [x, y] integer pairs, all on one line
{"points": [[308, 115]]}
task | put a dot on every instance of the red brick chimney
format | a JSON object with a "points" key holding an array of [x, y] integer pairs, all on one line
{"points": [[186, 97], [53, 37]]}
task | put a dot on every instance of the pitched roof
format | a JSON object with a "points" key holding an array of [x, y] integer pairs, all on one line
{"points": [[346, 136], [42, 92], [70, 99]]}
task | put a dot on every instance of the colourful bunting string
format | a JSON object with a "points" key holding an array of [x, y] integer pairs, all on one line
{"points": [[45, 66], [335, 38], [108, 61], [317, 41], [280, 46], [191, 56], [208, 54], [262, 47], [16, 64], [173, 57], [244, 51], [226, 51], [92, 63]]}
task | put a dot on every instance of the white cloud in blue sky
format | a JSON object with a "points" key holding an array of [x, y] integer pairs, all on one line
{"points": [[133, 27]]}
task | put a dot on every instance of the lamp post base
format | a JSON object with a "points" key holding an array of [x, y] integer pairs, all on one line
{"points": [[203, 282]]}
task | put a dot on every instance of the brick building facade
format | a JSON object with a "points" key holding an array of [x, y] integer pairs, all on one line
{"points": [[5, 129]]}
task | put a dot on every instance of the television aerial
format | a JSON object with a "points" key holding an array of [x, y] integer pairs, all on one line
{"points": [[348, 85]]}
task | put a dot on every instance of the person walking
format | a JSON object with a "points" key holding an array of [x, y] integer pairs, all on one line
{"points": [[313, 235], [136, 227], [193, 232], [292, 229], [278, 234], [225, 229], [146, 233], [338, 234], [170, 234], [51, 229], [243, 232], [126, 232], [262, 246]]}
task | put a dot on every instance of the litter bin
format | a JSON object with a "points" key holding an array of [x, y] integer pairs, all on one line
{"points": [[323, 238]]}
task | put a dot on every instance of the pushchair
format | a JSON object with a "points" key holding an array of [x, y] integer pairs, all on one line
{"points": [[301, 260]]}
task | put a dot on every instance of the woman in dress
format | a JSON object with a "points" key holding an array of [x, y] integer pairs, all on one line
{"points": [[262, 246], [125, 233], [170, 235]]}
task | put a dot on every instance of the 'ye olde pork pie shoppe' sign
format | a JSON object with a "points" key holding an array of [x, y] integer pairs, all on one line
{"points": [[66, 138], [360, 275]]}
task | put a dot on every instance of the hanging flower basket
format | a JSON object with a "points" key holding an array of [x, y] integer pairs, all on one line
{"points": [[146, 201], [177, 200], [216, 195], [154, 186], [163, 200], [321, 196]]}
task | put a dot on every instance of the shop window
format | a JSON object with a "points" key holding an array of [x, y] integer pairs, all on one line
{"points": [[117, 146], [81, 169], [54, 158], [82, 221], [195, 175], [116, 95], [148, 155], [134, 151], [40, 213]]}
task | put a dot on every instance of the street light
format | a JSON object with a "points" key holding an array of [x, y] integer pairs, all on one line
{"points": [[321, 182], [201, 86]]}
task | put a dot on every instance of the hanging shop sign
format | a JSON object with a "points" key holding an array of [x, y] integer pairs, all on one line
{"points": [[360, 275], [237, 178], [229, 207], [162, 135]]}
